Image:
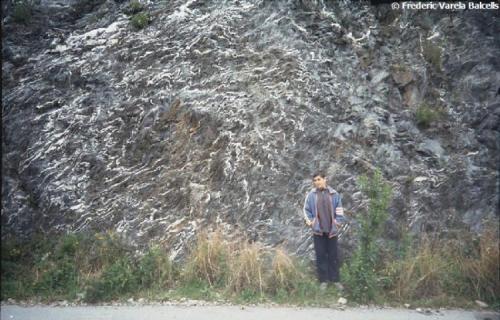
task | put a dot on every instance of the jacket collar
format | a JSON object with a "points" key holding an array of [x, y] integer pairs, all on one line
{"points": [[330, 190]]}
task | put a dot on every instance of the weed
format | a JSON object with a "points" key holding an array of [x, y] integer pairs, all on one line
{"points": [[361, 273], [432, 54], [22, 11], [140, 20], [425, 115]]}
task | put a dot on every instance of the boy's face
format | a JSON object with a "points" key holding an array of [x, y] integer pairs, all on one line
{"points": [[319, 182]]}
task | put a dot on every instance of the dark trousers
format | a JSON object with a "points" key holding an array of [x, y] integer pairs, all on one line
{"points": [[327, 260]]}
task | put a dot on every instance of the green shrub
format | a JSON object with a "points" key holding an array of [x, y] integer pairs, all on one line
{"points": [[140, 20], [360, 277], [361, 273], [22, 11], [425, 115], [432, 54], [57, 272], [196, 289], [155, 269], [18, 258], [116, 280], [67, 247], [101, 250], [57, 278]]}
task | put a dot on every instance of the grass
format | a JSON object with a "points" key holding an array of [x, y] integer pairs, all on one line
{"points": [[140, 20], [101, 267], [452, 271], [22, 11], [432, 54], [247, 271], [209, 260], [425, 115]]}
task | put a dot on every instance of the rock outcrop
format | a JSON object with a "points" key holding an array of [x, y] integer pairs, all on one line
{"points": [[218, 112]]}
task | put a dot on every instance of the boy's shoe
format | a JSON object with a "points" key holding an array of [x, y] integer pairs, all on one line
{"points": [[322, 286]]}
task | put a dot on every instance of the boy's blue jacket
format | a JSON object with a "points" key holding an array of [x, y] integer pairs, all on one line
{"points": [[311, 211]]}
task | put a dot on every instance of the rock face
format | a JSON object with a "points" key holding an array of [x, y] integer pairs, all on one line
{"points": [[218, 112]]}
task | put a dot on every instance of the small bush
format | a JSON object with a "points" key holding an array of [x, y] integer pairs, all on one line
{"points": [[425, 115], [55, 272], [155, 269], [140, 20], [360, 278], [59, 277], [22, 11], [67, 247], [432, 54], [118, 279], [101, 250], [361, 273], [15, 262], [196, 289]]}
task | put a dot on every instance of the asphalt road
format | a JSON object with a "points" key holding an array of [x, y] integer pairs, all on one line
{"points": [[223, 312]]}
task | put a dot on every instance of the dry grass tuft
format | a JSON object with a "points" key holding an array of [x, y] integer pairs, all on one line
{"points": [[247, 269], [464, 267], [208, 260], [284, 273]]}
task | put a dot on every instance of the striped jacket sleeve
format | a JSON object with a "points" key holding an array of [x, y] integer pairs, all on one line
{"points": [[339, 211], [308, 214]]}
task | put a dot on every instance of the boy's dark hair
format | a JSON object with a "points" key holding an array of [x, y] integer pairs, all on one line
{"points": [[319, 173]]}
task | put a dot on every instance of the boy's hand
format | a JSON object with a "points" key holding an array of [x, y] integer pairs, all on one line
{"points": [[309, 223]]}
